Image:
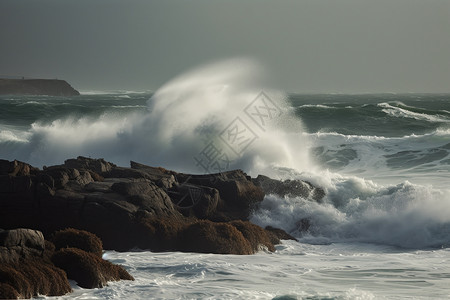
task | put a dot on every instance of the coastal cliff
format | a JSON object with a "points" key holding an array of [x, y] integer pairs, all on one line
{"points": [[51, 87]]}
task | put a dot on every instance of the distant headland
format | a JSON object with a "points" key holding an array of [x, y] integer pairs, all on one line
{"points": [[51, 87]]}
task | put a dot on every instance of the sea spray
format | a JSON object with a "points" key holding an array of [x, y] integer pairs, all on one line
{"points": [[367, 200], [182, 117], [357, 210], [361, 154]]}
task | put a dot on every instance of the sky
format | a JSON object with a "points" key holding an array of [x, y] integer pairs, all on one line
{"points": [[305, 46]]}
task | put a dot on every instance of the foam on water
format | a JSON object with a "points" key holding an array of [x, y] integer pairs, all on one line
{"points": [[182, 117], [194, 109], [422, 158], [294, 271], [354, 209], [404, 113], [372, 193]]}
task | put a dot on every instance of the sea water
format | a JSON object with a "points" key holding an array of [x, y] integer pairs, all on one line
{"points": [[381, 232]]}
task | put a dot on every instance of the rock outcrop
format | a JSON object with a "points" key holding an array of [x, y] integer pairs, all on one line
{"points": [[31, 266], [25, 269], [51, 87], [86, 204], [290, 188], [142, 206], [87, 269]]}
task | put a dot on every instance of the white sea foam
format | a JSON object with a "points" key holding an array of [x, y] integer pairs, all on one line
{"points": [[354, 209], [183, 117], [295, 271], [318, 106], [386, 159], [404, 113], [112, 92], [196, 109]]}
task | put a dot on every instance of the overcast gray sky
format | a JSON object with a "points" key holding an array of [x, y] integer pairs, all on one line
{"points": [[342, 46]]}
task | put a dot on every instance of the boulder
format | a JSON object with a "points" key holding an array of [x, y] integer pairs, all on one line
{"points": [[289, 188], [279, 234], [19, 244], [162, 177], [98, 166], [238, 194], [210, 237], [81, 239], [257, 237], [196, 201], [16, 168], [87, 269], [159, 234], [25, 270], [30, 278], [28, 263]]}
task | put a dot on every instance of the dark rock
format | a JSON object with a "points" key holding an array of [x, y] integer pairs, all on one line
{"points": [[160, 234], [25, 270], [98, 166], [87, 269], [60, 175], [257, 237], [81, 239], [194, 200], [16, 168], [290, 188], [146, 196], [7, 291], [280, 233], [142, 206], [95, 176], [51, 87], [160, 176], [31, 278], [238, 194], [19, 185], [209, 237], [20, 244]]}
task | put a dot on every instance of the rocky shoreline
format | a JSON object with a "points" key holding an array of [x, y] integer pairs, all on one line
{"points": [[138, 207]]}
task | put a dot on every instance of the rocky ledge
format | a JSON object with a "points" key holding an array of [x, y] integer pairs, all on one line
{"points": [[51, 87], [138, 207]]}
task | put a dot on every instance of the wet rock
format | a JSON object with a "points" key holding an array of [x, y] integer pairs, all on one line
{"points": [[290, 188], [280, 233], [238, 194], [87, 269], [257, 237], [30, 278], [81, 239], [196, 201], [142, 206], [19, 244], [210, 237], [25, 270]]}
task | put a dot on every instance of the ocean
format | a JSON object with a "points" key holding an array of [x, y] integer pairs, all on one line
{"points": [[381, 232]]}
